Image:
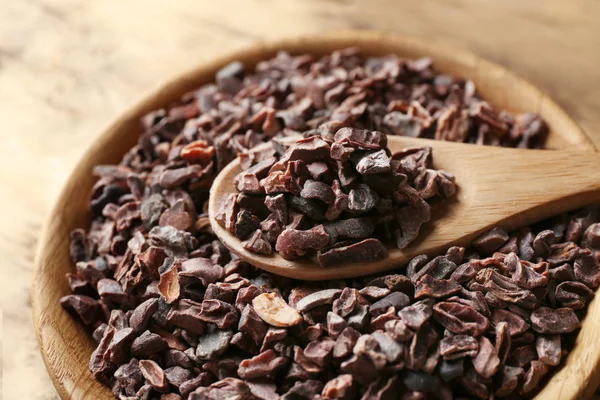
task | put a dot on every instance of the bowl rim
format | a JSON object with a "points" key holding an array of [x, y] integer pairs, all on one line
{"points": [[149, 99]]}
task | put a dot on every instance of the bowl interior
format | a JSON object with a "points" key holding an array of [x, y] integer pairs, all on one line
{"points": [[66, 346]]}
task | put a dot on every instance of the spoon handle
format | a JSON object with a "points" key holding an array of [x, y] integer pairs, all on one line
{"points": [[518, 187]]}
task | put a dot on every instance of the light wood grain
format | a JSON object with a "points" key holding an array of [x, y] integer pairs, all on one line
{"points": [[64, 344], [69, 67], [510, 188]]}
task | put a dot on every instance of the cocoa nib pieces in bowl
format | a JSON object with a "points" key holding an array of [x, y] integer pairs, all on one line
{"points": [[338, 199], [176, 316], [491, 321]]}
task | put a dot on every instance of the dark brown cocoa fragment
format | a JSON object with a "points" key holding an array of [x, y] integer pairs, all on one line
{"points": [[258, 243], [293, 243], [173, 241], [252, 324], [376, 162], [573, 294], [516, 324], [271, 228], [306, 390], [389, 346], [99, 364], [310, 149], [548, 321], [154, 375], [339, 205], [120, 345], [549, 349], [147, 344], [428, 286], [374, 292], [177, 358], [172, 178], [587, 271], [341, 387], [421, 382], [383, 389], [409, 220], [362, 199], [361, 138], [398, 330], [486, 362], [533, 376], [345, 343], [219, 313], [420, 346], [458, 346], [317, 190], [202, 380], [185, 314], [459, 318], [86, 308], [263, 390], [530, 276], [227, 388], [415, 315], [346, 303], [177, 375], [310, 208], [320, 351], [472, 383], [212, 344], [521, 356], [378, 323], [111, 291], [78, 246], [360, 317], [245, 225], [335, 325], [278, 206], [228, 211], [202, 270], [316, 299], [367, 250], [266, 364], [490, 241], [451, 369], [398, 300], [248, 183], [508, 380], [361, 368], [352, 228]]}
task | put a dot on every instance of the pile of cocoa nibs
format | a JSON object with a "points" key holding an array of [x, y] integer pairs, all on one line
{"points": [[336, 197], [177, 316]]}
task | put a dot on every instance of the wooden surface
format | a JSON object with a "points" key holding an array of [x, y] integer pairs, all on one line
{"points": [[68, 67], [63, 341], [530, 185]]}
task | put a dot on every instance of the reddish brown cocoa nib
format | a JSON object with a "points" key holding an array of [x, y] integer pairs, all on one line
{"points": [[494, 320], [350, 191]]}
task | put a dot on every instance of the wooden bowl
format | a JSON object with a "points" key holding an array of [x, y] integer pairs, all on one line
{"points": [[65, 344]]}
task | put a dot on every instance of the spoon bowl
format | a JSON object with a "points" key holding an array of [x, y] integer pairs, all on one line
{"points": [[66, 345], [510, 188]]}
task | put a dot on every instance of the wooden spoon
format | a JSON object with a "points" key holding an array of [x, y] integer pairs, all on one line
{"points": [[510, 188]]}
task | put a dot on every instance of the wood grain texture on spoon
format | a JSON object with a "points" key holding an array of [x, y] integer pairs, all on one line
{"points": [[510, 188]]}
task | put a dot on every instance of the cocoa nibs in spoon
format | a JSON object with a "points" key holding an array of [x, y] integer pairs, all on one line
{"points": [[337, 199]]}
